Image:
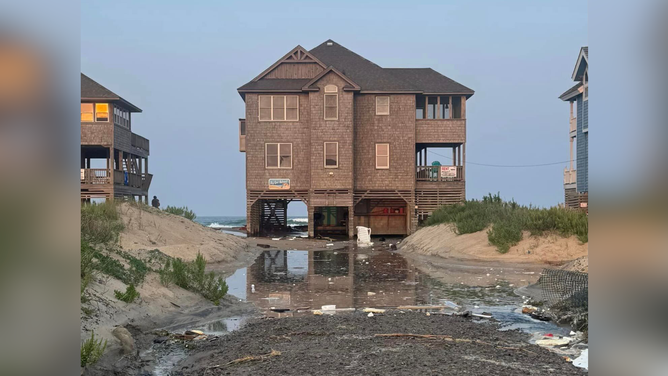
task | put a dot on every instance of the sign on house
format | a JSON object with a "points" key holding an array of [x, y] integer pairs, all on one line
{"points": [[448, 171], [279, 184]]}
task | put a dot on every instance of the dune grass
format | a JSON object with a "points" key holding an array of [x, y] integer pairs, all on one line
{"points": [[508, 219]]}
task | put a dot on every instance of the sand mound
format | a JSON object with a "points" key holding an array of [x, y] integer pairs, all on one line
{"points": [[578, 265], [149, 228], [441, 240]]}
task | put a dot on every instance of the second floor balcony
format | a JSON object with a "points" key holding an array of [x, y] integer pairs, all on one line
{"points": [[439, 173], [103, 176]]}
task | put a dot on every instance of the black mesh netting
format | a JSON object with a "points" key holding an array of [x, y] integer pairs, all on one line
{"points": [[565, 290]]}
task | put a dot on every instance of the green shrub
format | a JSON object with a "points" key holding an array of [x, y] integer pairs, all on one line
{"points": [[129, 295], [181, 211], [100, 223], [508, 219], [92, 350], [192, 276]]}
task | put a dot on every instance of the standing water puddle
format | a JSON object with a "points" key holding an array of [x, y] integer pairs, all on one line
{"points": [[298, 282]]}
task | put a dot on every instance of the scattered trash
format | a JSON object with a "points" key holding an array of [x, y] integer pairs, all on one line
{"points": [[428, 314], [484, 315], [371, 293], [370, 314], [175, 305], [275, 239], [264, 245], [527, 309], [364, 236], [551, 342], [582, 361], [330, 307], [329, 244], [195, 332], [393, 247], [252, 288], [317, 312], [373, 310]]}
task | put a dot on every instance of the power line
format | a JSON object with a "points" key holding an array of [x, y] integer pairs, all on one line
{"points": [[506, 166]]}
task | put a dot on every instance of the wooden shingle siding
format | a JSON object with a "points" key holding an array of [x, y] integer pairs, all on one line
{"points": [[398, 130], [440, 130], [97, 134], [295, 70], [295, 132]]}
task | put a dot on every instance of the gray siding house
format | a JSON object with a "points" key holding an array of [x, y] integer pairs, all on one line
{"points": [[576, 178]]}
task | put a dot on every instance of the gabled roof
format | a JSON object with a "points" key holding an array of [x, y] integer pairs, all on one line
{"points": [[284, 84], [91, 90], [429, 81], [351, 84], [581, 64], [298, 54], [364, 74], [572, 92]]}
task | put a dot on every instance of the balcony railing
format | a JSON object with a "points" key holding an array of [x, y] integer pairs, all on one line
{"points": [[130, 179], [439, 173], [139, 142], [570, 176], [95, 176], [573, 125]]}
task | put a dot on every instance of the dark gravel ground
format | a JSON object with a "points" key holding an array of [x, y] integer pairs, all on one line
{"points": [[346, 345]]}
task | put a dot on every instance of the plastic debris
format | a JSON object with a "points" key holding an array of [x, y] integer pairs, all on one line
{"points": [[317, 312], [193, 332], [329, 307], [551, 342], [370, 314], [373, 310], [370, 293]]}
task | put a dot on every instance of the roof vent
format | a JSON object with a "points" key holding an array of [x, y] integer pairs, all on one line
{"points": [[330, 43]]}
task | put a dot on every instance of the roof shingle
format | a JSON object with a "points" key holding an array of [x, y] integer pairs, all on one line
{"points": [[369, 76], [90, 89]]}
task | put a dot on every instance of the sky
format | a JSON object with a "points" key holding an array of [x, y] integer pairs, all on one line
{"points": [[182, 61]]}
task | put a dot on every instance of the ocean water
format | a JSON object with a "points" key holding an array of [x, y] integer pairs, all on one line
{"points": [[223, 222]]}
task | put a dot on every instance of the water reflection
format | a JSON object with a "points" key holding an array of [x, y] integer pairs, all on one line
{"points": [[348, 279]]}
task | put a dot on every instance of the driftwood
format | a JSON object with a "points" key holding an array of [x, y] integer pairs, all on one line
{"points": [[249, 358]]}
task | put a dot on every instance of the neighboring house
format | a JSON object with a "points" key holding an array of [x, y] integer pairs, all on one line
{"points": [[576, 180], [114, 160], [349, 139]]}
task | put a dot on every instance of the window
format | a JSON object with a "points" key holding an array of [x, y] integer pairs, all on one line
{"points": [[86, 112], [101, 111], [331, 154], [382, 105], [278, 155], [279, 108], [585, 80], [331, 89], [331, 107], [382, 156]]}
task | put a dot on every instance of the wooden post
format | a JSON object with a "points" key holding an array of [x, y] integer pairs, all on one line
{"points": [[450, 112], [146, 165], [426, 107], [454, 156], [569, 119], [351, 223], [459, 155], [571, 160], [140, 165], [120, 161], [438, 107], [463, 107], [464, 163]]}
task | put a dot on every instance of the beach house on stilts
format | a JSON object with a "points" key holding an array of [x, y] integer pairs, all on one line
{"points": [[353, 141], [114, 160]]}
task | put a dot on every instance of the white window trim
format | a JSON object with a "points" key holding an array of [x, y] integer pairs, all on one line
{"points": [[585, 86], [331, 89], [266, 166], [271, 108], [324, 107], [388, 156], [324, 154], [388, 104]]}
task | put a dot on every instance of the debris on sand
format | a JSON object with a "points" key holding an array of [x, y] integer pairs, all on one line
{"points": [[373, 310], [251, 358]]}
